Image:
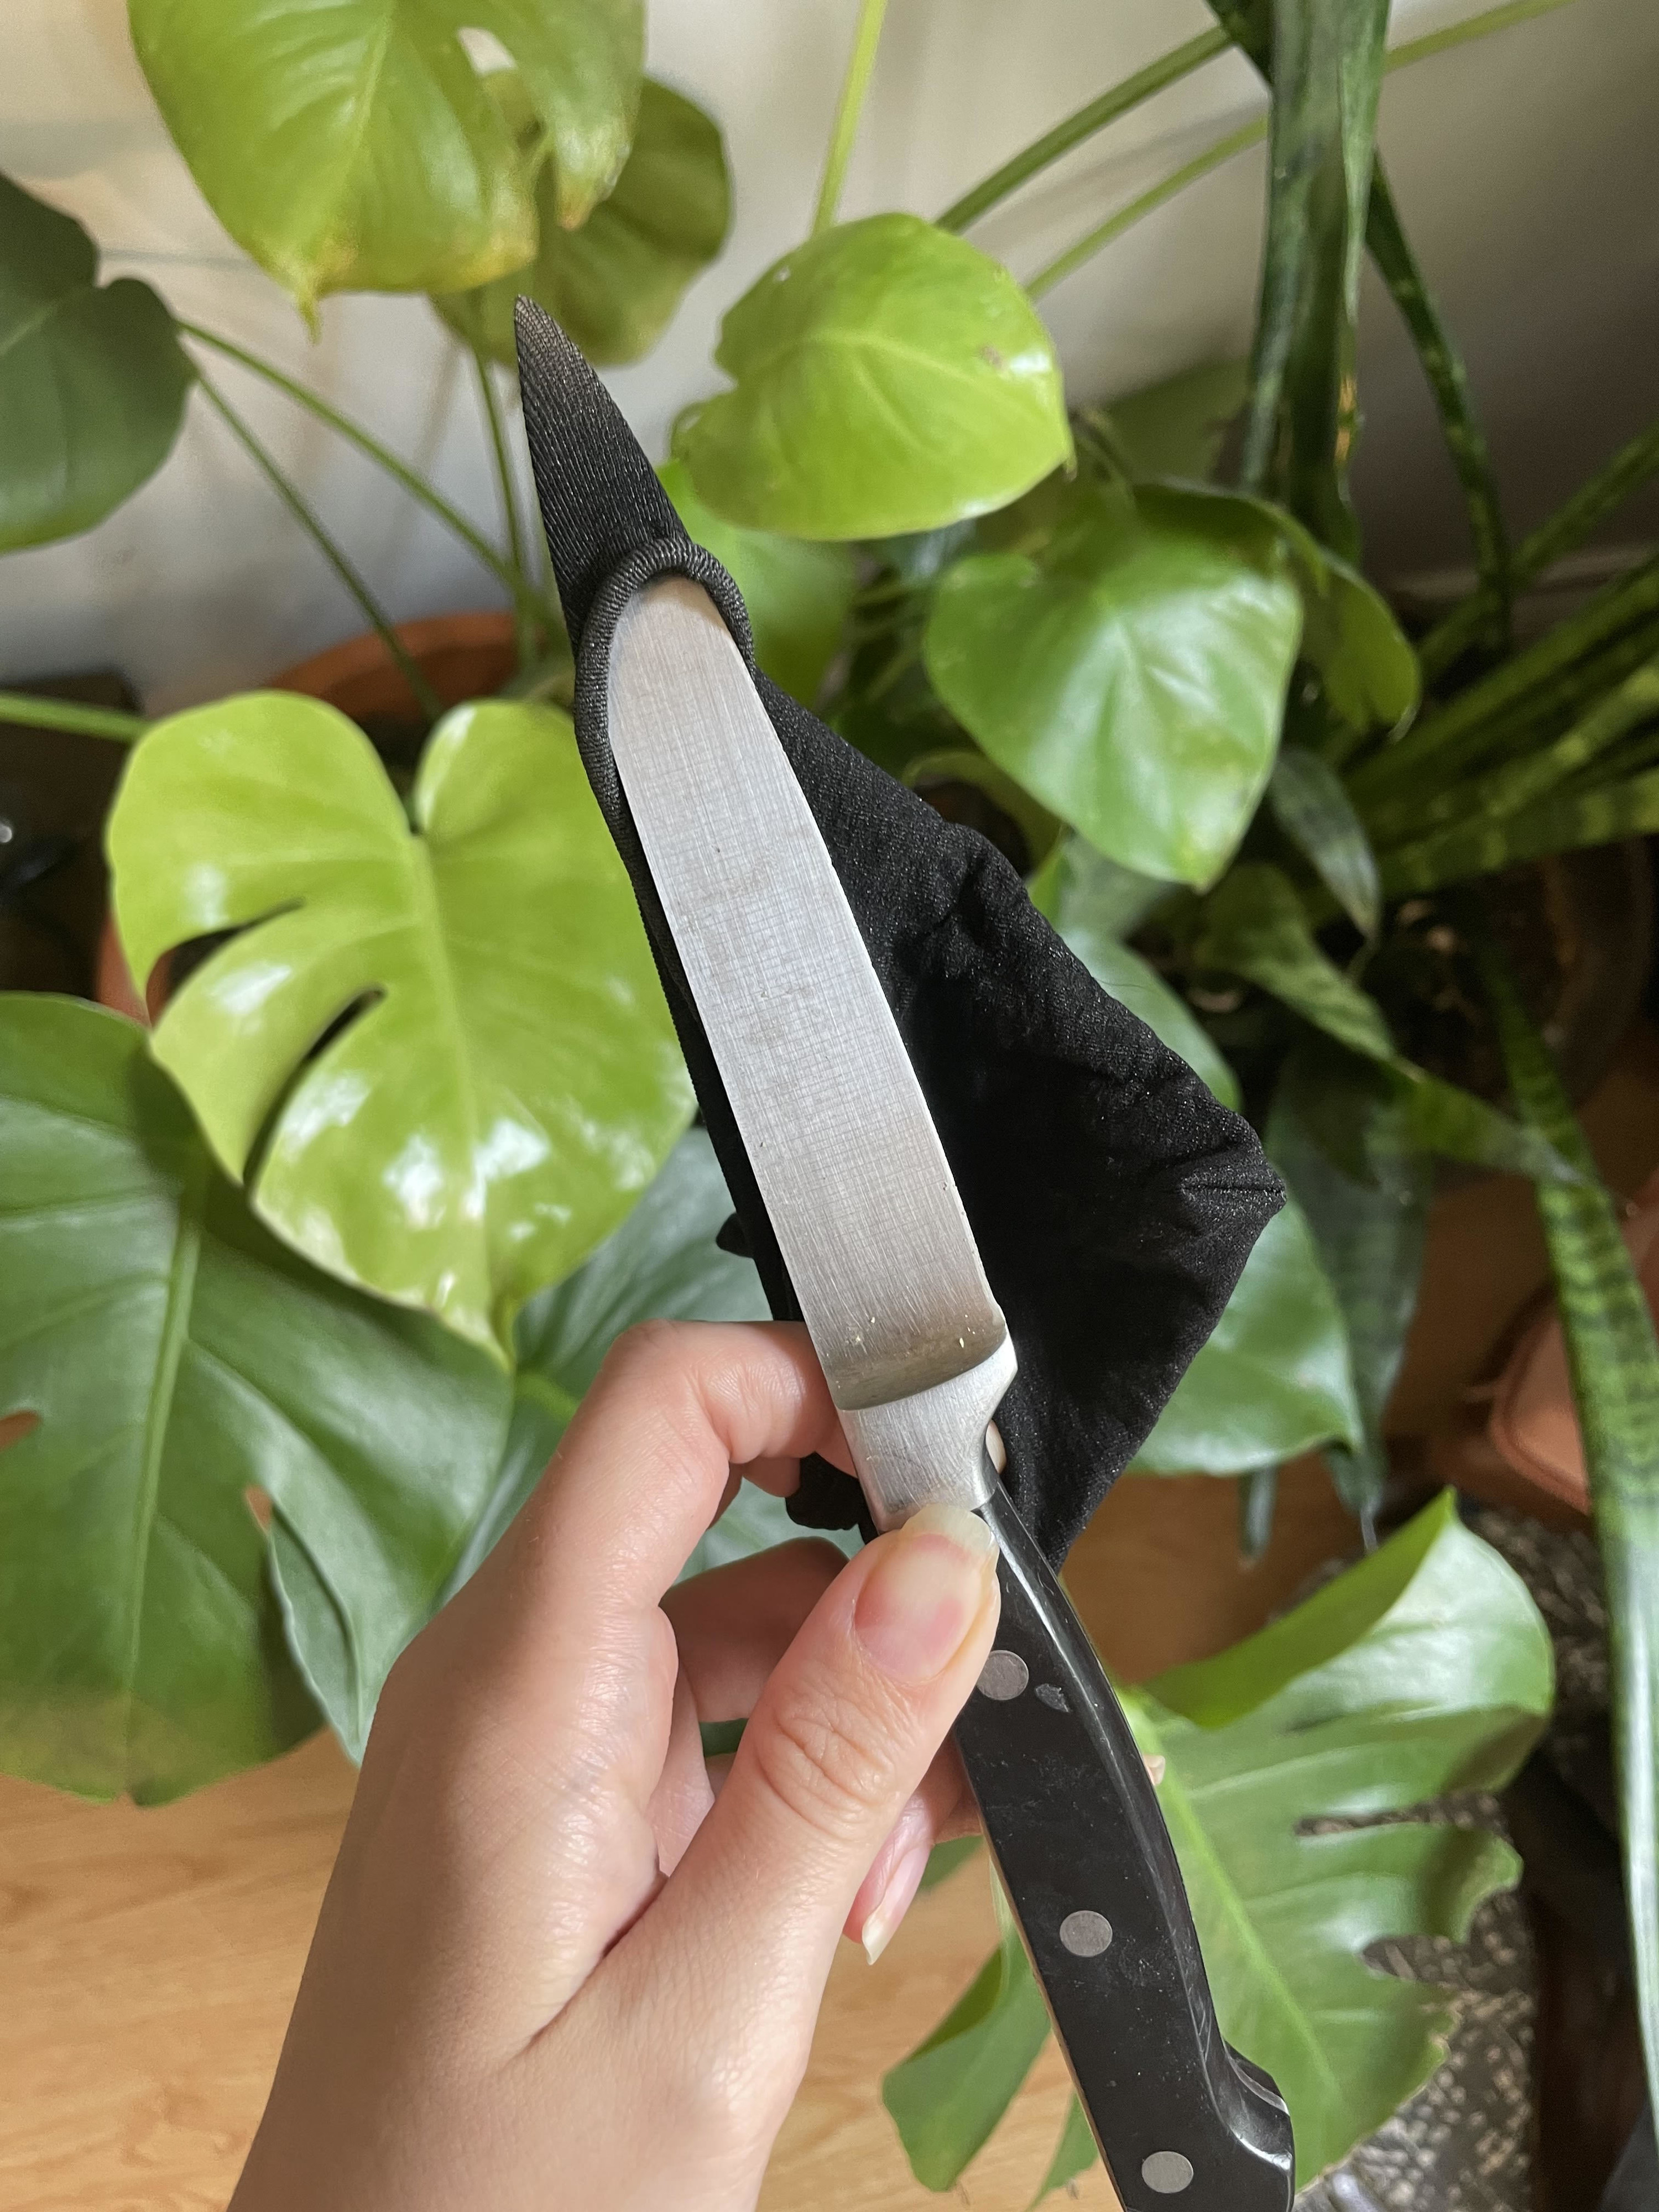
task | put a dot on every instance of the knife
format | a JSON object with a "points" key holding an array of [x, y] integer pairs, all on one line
{"points": [[917, 1357]]}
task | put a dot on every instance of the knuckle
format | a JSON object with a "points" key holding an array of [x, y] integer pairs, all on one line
{"points": [[825, 1757]]}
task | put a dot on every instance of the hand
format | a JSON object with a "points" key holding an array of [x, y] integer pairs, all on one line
{"points": [[552, 1969]]}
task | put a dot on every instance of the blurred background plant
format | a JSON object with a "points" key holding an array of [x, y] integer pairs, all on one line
{"points": [[343, 1239]]}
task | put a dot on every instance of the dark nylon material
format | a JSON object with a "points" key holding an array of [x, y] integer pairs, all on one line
{"points": [[1114, 1199]]}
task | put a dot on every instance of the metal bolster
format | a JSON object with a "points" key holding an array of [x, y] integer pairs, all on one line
{"points": [[930, 1448]]}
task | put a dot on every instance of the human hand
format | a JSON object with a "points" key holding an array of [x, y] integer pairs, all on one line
{"points": [[551, 1968]]}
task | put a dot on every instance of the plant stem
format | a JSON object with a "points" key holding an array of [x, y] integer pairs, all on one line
{"points": [[291, 498], [1566, 530], [70, 714], [1212, 157], [1167, 69], [523, 626], [866, 38], [412, 481], [1402, 56]]}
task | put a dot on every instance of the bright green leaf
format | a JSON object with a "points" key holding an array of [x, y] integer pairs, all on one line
{"points": [[1077, 888], [1423, 1671], [888, 378], [1132, 673], [948, 2095], [354, 147], [614, 284], [1273, 1379], [1313, 809], [1367, 667], [93, 379], [1075, 2153], [176, 1357], [798, 593], [1176, 427], [440, 1055]]}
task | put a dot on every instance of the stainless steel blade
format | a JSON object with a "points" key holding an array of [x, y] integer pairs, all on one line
{"points": [[860, 1193]]}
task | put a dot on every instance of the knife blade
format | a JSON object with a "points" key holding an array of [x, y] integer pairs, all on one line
{"points": [[917, 1356]]}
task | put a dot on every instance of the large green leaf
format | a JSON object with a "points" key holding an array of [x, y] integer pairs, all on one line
{"points": [[614, 284], [890, 378], [1424, 1669], [1273, 1379], [1132, 673], [353, 145], [798, 593], [1368, 1225], [948, 2095], [1255, 925], [174, 1358], [1093, 899], [93, 379], [1614, 1359], [440, 1054]]}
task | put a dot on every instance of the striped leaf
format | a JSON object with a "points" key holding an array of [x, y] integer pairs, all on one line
{"points": [[1561, 824], [1313, 809]]}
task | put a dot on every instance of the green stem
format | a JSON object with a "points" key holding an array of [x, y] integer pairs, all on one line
{"points": [[865, 39], [425, 696], [1471, 26], [524, 625], [1235, 142], [412, 481], [69, 714], [1564, 531], [1042, 152]]}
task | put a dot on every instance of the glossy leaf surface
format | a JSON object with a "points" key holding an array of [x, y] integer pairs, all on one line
{"points": [[888, 378], [173, 1356], [1424, 1669], [1132, 673], [614, 284], [1273, 1379], [1613, 1361], [440, 1054], [798, 593], [354, 147], [93, 379]]}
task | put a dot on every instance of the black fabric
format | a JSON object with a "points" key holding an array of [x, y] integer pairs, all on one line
{"points": [[1114, 1201]]}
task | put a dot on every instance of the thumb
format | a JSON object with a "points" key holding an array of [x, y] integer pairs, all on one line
{"points": [[848, 1725]]}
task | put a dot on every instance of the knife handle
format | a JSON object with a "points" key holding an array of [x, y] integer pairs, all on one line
{"points": [[1182, 2121]]}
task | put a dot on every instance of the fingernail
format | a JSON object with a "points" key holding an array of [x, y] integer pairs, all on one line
{"points": [[1155, 1768], [925, 1591], [895, 1902]]}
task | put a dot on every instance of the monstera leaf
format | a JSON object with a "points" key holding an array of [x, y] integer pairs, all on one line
{"points": [[93, 379], [1293, 1763], [355, 147], [439, 1056], [1132, 673], [890, 378], [164, 1358], [798, 593], [613, 284]]}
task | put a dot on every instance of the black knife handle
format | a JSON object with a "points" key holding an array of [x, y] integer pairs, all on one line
{"points": [[1183, 2122]]}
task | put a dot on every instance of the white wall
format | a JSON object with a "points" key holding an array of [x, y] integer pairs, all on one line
{"points": [[1527, 166]]}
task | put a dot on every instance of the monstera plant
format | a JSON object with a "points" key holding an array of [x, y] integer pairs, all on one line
{"points": [[299, 1287]]}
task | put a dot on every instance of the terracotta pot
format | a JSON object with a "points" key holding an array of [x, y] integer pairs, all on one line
{"points": [[461, 656]]}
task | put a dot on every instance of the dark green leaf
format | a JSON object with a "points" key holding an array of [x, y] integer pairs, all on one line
{"points": [[614, 284], [1080, 888], [1038, 829], [1367, 669], [1075, 2153], [1273, 1379], [1327, 71], [176, 1358], [507, 1081], [944, 1858], [1564, 823], [798, 593], [93, 379], [1613, 1360], [1132, 674], [1176, 427], [890, 378], [1424, 1669], [1369, 1229], [355, 147], [948, 2095], [1313, 809]]}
